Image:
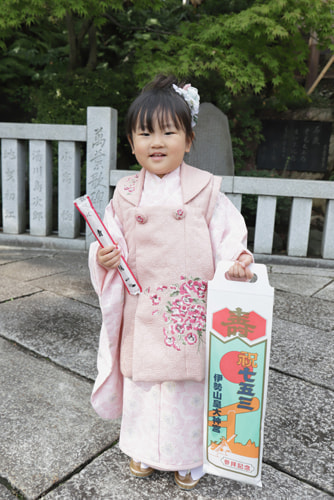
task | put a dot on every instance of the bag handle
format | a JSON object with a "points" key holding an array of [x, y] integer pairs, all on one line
{"points": [[259, 270]]}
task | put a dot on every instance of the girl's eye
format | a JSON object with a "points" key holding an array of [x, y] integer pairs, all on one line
{"points": [[169, 133]]}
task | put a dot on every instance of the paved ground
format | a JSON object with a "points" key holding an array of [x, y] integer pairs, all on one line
{"points": [[53, 446]]}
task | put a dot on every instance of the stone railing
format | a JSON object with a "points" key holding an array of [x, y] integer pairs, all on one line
{"points": [[26, 160], [27, 171], [267, 190]]}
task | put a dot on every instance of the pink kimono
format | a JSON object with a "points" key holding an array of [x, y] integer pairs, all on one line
{"points": [[162, 421]]}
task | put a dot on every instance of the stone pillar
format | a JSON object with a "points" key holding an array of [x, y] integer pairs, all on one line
{"points": [[101, 156], [13, 161], [68, 188], [265, 224], [327, 248], [299, 228], [40, 187]]}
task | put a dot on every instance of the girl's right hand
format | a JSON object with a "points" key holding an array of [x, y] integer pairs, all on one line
{"points": [[109, 257]]}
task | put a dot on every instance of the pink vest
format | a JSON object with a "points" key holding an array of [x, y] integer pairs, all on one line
{"points": [[170, 253]]}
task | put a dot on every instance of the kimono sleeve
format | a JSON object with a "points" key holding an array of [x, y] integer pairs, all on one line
{"points": [[228, 231], [107, 395]]}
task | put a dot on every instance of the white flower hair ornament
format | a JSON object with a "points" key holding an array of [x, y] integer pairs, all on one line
{"points": [[190, 95]]}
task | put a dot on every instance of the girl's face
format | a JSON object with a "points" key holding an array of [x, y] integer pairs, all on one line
{"points": [[161, 151]]}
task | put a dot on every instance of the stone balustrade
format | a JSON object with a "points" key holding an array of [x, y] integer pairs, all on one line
{"points": [[27, 186], [302, 192], [27, 176]]}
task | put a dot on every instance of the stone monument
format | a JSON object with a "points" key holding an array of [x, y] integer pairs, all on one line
{"points": [[212, 147]]}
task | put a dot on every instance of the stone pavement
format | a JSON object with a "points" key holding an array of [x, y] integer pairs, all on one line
{"points": [[53, 446]]}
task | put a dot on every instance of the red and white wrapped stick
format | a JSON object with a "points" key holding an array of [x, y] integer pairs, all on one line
{"points": [[86, 208]]}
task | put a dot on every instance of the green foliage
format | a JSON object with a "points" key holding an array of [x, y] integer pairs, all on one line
{"points": [[60, 56], [26, 12], [65, 97], [258, 49], [246, 132]]}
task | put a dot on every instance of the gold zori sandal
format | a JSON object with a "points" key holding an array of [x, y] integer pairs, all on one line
{"points": [[139, 471], [185, 482]]}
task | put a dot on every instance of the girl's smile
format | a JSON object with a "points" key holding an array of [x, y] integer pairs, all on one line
{"points": [[162, 150]]}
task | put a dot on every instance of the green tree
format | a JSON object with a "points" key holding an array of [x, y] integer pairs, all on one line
{"points": [[60, 53], [82, 19], [60, 56], [257, 49], [243, 56]]}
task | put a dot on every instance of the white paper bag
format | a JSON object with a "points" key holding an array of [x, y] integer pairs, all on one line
{"points": [[238, 335]]}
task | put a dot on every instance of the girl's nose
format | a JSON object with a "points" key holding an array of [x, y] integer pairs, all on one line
{"points": [[157, 139]]}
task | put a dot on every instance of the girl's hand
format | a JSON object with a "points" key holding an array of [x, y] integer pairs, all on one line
{"points": [[109, 257], [240, 270]]}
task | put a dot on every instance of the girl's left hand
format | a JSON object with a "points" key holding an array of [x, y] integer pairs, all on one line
{"points": [[240, 270]]}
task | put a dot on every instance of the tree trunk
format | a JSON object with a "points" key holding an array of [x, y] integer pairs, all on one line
{"points": [[72, 41], [313, 61], [92, 58]]}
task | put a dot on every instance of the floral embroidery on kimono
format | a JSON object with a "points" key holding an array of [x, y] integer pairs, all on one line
{"points": [[131, 183], [184, 311]]}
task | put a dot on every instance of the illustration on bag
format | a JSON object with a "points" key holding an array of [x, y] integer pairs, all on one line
{"points": [[237, 363]]}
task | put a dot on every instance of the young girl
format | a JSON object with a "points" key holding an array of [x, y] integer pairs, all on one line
{"points": [[172, 225]]}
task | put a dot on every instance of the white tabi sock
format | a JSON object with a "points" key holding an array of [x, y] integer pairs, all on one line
{"points": [[196, 473], [144, 466]]}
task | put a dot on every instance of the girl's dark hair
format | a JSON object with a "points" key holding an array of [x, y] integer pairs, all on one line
{"points": [[159, 97]]}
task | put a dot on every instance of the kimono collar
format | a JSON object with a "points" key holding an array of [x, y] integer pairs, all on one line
{"points": [[193, 180]]}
